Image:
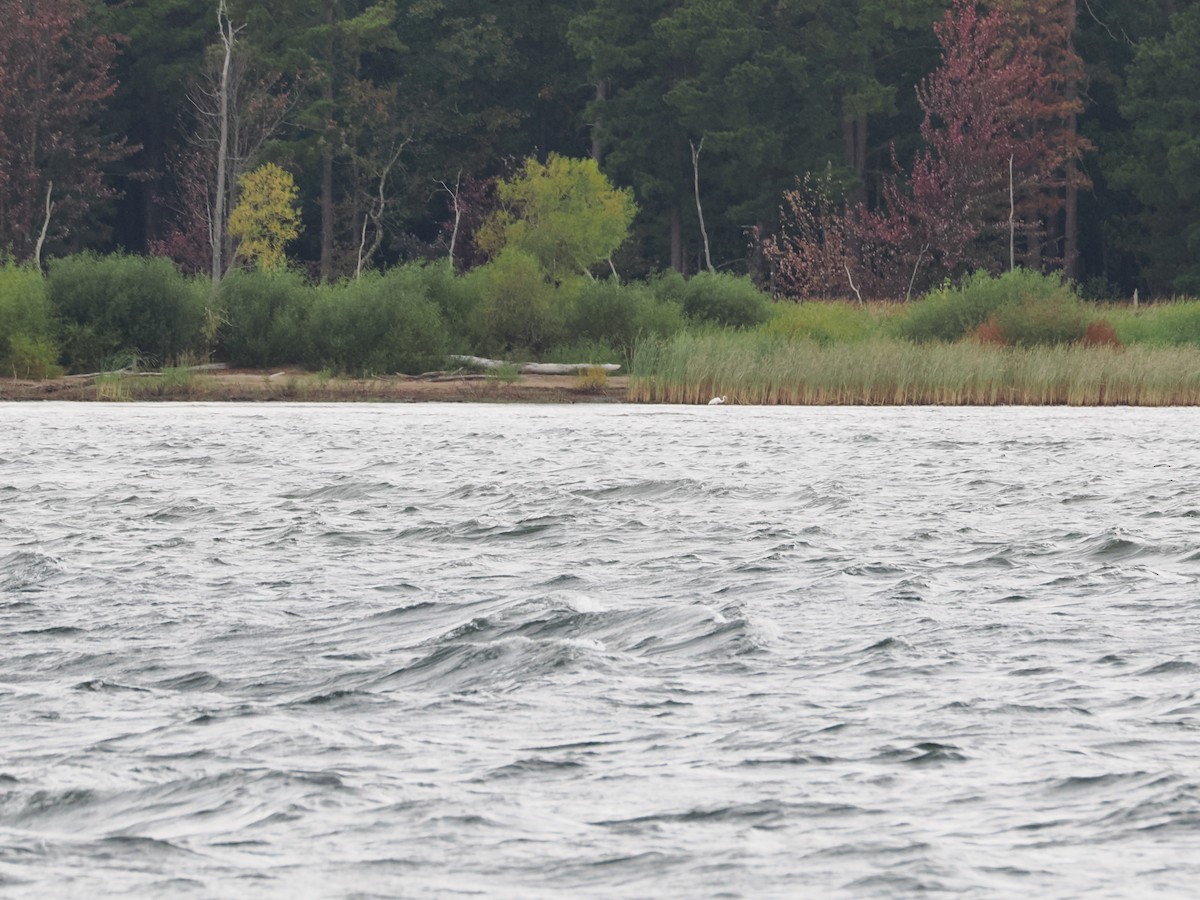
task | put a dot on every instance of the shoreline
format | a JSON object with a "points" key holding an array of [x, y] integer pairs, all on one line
{"points": [[292, 385]]}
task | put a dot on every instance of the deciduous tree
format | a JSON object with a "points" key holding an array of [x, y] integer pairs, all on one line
{"points": [[564, 213], [55, 80], [265, 218]]}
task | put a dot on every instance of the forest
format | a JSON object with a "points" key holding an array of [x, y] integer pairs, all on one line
{"points": [[824, 148]]}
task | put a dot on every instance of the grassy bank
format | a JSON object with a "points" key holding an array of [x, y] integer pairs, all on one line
{"points": [[760, 368]]}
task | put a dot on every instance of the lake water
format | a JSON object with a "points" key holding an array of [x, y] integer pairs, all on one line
{"points": [[529, 651]]}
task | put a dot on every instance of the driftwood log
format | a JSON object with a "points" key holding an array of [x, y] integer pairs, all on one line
{"points": [[535, 368], [129, 370]]}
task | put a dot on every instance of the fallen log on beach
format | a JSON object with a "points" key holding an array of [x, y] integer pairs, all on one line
{"points": [[480, 362]]}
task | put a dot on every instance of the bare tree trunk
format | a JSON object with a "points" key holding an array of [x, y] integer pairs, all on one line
{"points": [[854, 139], [37, 250], [375, 212], [1012, 223], [699, 210], [597, 148], [218, 218], [457, 213]]}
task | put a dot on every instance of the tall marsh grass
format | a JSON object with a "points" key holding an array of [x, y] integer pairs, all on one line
{"points": [[759, 368]]}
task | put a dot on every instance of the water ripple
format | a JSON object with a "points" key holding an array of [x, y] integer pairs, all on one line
{"points": [[524, 651]]}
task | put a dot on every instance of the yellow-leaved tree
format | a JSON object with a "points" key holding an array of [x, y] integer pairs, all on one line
{"points": [[565, 213], [266, 216]]}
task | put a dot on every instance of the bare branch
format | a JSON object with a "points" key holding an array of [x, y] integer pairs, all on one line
{"points": [[37, 251], [457, 212], [850, 278], [700, 212]]}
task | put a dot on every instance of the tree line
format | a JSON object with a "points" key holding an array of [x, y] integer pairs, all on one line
{"points": [[825, 147]]}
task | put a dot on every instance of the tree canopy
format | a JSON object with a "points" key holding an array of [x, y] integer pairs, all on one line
{"points": [[564, 213], [385, 104]]}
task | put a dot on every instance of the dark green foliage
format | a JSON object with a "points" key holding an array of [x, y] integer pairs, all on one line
{"points": [[1050, 319], [265, 318], [378, 324], [519, 311], [456, 297], [1159, 161], [949, 314], [616, 314], [720, 299], [125, 303]]}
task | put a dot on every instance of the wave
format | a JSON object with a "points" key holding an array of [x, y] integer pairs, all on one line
{"points": [[26, 570]]}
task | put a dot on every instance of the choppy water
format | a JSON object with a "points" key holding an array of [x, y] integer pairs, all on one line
{"points": [[292, 651]]}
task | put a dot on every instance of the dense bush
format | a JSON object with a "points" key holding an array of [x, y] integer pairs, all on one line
{"points": [[720, 299], [825, 323], [377, 324], [138, 305], [616, 314], [1056, 318], [519, 311], [950, 314], [265, 318], [31, 357], [456, 296], [27, 345]]}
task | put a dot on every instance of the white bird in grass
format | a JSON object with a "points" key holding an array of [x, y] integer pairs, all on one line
{"points": [[717, 401]]}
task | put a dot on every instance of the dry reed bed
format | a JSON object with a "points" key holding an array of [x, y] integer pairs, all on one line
{"points": [[756, 369]]}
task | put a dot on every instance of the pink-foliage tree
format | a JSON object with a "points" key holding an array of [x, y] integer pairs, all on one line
{"points": [[980, 130], [55, 77], [986, 157]]}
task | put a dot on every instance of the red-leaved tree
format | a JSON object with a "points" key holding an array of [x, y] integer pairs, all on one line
{"points": [[996, 157], [982, 136], [55, 77]]}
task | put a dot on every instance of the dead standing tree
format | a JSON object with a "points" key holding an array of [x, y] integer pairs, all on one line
{"points": [[237, 111]]}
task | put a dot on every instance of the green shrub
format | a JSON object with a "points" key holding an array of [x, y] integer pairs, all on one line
{"points": [[520, 311], [593, 380], [377, 324], [27, 344], [24, 303], [617, 315], [1166, 325], [825, 323], [509, 373], [457, 297], [265, 318], [584, 350], [120, 302], [31, 357], [950, 314], [669, 287], [1046, 320], [728, 300]]}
